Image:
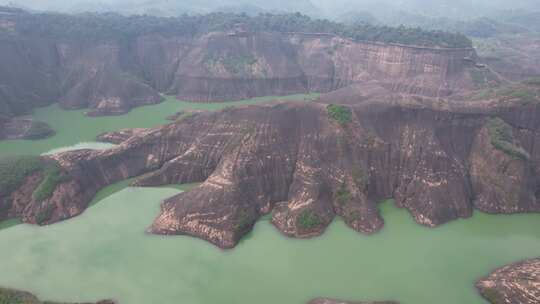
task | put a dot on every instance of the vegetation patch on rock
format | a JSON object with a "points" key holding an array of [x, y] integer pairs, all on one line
{"points": [[524, 93], [502, 138], [533, 81], [235, 64], [52, 177], [9, 296], [339, 113], [14, 170], [243, 222], [308, 219], [343, 195]]}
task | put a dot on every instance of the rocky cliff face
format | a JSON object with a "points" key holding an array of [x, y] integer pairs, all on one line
{"points": [[112, 76], [514, 284], [306, 163]]}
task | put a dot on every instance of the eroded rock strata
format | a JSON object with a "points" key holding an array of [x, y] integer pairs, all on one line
{"points": [[306, 163], [518, 283], [13, 296], [113, 75], [24, 128]]}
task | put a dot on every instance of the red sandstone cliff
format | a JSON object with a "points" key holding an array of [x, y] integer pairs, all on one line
{"points": [[111, 77]]}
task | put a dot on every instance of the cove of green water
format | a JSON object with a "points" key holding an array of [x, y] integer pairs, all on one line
{"points": [[105, 253], [73, 127]]}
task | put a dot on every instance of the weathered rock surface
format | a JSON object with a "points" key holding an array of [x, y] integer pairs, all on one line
{"points": [[435, 158], [334, 301], [117, 137], [13, 296], [113, 76], [514, 284], [24, 128]]}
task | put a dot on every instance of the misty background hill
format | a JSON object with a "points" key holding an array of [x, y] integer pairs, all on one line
{"points": [[475, 18], [382, 10], [167, 7]]}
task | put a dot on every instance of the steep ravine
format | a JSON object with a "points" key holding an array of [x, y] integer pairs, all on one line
{"points": [[306, 164]]}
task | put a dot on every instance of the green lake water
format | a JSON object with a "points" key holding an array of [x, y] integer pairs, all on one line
{"points": [[105, 252], [73, 127]]}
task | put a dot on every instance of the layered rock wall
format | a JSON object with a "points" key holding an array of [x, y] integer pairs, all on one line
{"points": [[113, 76]]}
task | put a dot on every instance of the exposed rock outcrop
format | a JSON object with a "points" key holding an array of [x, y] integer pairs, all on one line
{"points": [[13, 296], [514, 284], [118, 137], [515, 57], [334, 301], [306, 163]]}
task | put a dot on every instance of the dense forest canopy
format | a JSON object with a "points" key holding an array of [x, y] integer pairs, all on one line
{"points": [[381, 9], [99, 26]]}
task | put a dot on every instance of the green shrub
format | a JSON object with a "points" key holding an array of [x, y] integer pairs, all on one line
{"points": [[308, 219], [360, 178], [52, 177], [524, 96], [104, 27], [238, 64], [521, 94], [533, 81], [10, 296], [235, 64], [243, 221], [343, 195], [339, 113], [478, 78], [45, 214], [502, 138], [13, 171]]}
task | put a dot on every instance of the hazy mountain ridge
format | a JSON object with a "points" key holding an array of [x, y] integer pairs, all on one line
{"points": [[166, 7]]}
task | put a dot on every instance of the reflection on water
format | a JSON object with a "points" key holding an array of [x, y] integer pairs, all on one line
{"points": [[106, 253]]}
